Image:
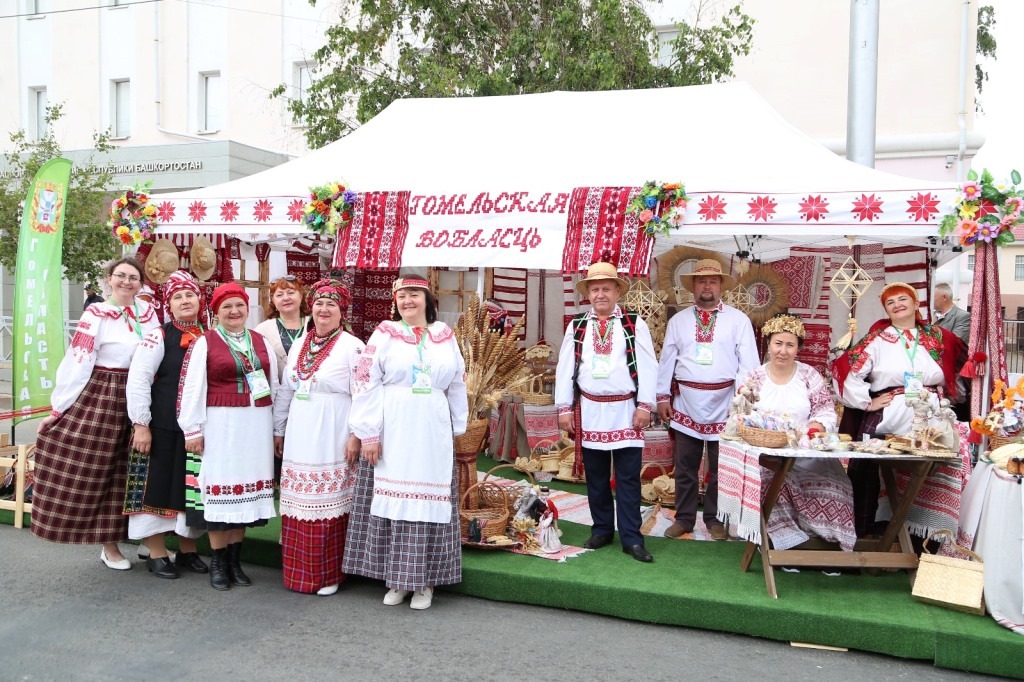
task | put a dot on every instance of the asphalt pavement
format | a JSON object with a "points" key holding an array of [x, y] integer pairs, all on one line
{"points": [[64, 616]]}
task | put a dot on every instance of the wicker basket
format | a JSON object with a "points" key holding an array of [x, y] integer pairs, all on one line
{"points": [[568, 457], [493, 509], [999, 441], [956, 584], [534, 393], [648, 493], [509, 499], [763, 438]]}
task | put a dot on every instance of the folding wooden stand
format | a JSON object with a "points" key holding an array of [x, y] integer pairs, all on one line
{"points": [[18, 457]]}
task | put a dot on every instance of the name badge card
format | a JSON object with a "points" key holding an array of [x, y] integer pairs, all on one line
{"points": [[913, 382], [704, 353], [304, 389], [258, 384], [421, 380], [601, 367]]}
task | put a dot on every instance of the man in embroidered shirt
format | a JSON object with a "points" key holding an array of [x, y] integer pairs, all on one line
{"points": [[707, 348], [604, 390]]}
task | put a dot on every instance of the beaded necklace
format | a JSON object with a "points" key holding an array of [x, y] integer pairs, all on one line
{"points": [[314, 351]]}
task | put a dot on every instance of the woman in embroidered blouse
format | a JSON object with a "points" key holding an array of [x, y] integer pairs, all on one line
{"points": [[788, 387], [898, 355], [82, 447], [157, 500], [287, 312], [410, 400], [226, 412], [311, 411]]}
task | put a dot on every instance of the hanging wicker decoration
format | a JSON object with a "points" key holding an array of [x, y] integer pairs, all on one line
{"points": [[762, 294], [649, 305], [675, 262], [848, 284]]}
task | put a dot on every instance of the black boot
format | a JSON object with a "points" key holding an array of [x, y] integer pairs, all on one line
{"points": [[219, 579], [238, 577], [190, 561]]}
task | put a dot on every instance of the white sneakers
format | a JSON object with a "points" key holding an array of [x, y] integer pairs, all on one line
{"points": [[421, 598], [327, 591], [121, 564], [395, 597]]}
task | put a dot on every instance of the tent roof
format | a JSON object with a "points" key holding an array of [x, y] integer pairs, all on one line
{"points": [[719, 140]]}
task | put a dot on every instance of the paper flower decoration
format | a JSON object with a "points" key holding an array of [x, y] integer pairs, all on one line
{"points": [[329, 208], [987, 211], [659, 206], [132, 218]]}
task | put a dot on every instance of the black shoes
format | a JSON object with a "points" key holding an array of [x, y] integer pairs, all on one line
{"points": [[162, 568], [191, 562], [639, 552], [598, 541], [219, 579], [235, 573]]}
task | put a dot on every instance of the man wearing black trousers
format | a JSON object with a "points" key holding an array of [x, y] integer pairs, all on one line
{"points": [[604, 390]]}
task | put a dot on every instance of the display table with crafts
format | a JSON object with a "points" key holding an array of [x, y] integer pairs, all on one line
{"points": [[907, 477], [992, 524]]}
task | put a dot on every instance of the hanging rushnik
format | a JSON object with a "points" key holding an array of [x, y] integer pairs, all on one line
{"points": [[849, 283]]}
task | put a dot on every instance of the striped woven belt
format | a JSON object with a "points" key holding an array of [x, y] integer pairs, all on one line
{"points": [[115, 370], [607, 398], [706, 387]]}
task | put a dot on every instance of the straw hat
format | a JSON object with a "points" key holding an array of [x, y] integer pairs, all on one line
{"points": [[598, 271], [707, 267], [162, 261], [202, 258]]}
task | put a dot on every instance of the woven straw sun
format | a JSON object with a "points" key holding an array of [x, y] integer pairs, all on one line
{"points": [[650, 306]]}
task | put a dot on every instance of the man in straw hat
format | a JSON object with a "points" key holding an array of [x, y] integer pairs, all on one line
{"points": [[604, 390], [707, 348]]}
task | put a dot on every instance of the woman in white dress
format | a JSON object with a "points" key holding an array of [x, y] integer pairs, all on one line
{"points": [[817, 498], [410, 401], [82, 447], [311, 411], [226, 412], [159, 497]]}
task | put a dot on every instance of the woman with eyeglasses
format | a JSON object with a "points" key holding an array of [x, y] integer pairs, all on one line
{"points": [[287, 313], [82, 447]]}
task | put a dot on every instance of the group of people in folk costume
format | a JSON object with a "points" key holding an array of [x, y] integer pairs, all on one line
{"points": [[173, 428]]}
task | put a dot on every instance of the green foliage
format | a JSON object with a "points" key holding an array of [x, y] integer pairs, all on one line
{"points": [[986, 44], [383, 50], [87, 243]]}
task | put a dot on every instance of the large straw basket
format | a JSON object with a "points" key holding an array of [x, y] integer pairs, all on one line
{"points": [[957, 584], [999, 441], [491, 512], [510, 500], [467, 446], [763, 438]]}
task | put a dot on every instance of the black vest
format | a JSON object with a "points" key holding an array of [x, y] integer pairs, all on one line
{"points": [[165, 384]]}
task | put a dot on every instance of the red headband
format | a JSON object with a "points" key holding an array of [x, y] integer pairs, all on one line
{"points": [[408, 283], [226, 291]]}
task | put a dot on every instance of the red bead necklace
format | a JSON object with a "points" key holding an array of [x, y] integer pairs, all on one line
{"points": [[315, 350]]}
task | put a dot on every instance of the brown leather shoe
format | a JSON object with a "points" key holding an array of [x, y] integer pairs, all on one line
{"points": [[718, 532], [677, 530]]}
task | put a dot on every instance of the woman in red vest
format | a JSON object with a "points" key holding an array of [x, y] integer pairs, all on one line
{"points": [[226, 411]]}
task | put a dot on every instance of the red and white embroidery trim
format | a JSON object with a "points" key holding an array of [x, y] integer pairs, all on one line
{"points": [[612, 436], [686, 421]]}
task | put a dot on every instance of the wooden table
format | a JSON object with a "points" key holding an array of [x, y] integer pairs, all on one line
{"points": [[867, 553]]}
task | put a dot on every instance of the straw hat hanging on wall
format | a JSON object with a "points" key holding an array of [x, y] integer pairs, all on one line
{"points": [[203, 258], [162, 261]]}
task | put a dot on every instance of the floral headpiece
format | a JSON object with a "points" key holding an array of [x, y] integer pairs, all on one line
{"points": [[329, 288], [784, 323]]}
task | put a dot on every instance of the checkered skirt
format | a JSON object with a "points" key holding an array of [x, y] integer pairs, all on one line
{"points": [[311, 552], [406, 555], [82, 464]]}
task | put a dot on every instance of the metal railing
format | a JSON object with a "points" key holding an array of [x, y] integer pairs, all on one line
{"points": [[1013, 331], [7, 338]]}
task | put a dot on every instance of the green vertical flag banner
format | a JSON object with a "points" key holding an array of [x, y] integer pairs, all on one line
{"points": [[38, 302]]}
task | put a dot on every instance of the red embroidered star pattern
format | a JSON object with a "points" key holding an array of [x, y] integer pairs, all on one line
{"points": [[923, 206], [762, 208], [813, 208], [262, 210], [712, 208], [197, 211], [868, 207], [165, 211], [295, 210], [229, 211]]}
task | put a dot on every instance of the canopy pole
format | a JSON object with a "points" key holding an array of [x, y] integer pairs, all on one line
{"points": [[862, 91]]}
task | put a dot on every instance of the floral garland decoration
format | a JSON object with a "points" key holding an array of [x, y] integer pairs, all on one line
{"points": [[660, 206], [329, 208], [132, 218], [987, 210]]}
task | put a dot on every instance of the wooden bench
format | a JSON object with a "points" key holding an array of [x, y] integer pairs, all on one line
{"points": [[18, 456]]}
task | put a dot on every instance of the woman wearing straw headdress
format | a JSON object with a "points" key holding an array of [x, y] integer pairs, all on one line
{"points": [[898, 357], [311, 430], [226, 412], [158, 498], [82, 447], [410, 401], [788, 387], [287, 312]]}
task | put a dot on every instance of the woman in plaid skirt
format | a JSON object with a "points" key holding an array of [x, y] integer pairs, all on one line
{"points": [[410, 401], [82, 447], [311, 431]]}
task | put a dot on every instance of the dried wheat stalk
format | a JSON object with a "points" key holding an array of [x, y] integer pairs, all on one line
{"points": [[493, 359]]}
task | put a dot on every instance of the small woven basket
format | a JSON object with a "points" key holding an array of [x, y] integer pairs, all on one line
{"points": [[956, 584], [492, 512], [534, 393], [763, 438], [648, 493], [565, 467], [999, 441], [509, 500]]}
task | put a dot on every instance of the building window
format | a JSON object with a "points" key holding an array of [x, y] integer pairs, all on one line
{"points": [[121, 108], [303, 79], [970, 262], [37, 103], [1018, 268], [666, 35], [211, 102]]}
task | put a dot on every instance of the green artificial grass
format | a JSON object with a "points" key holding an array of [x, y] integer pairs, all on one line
{"points": [[699, 584]]}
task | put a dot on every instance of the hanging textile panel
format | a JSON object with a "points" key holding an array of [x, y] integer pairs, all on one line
{"points": [[376, 236], [599, 229]]}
